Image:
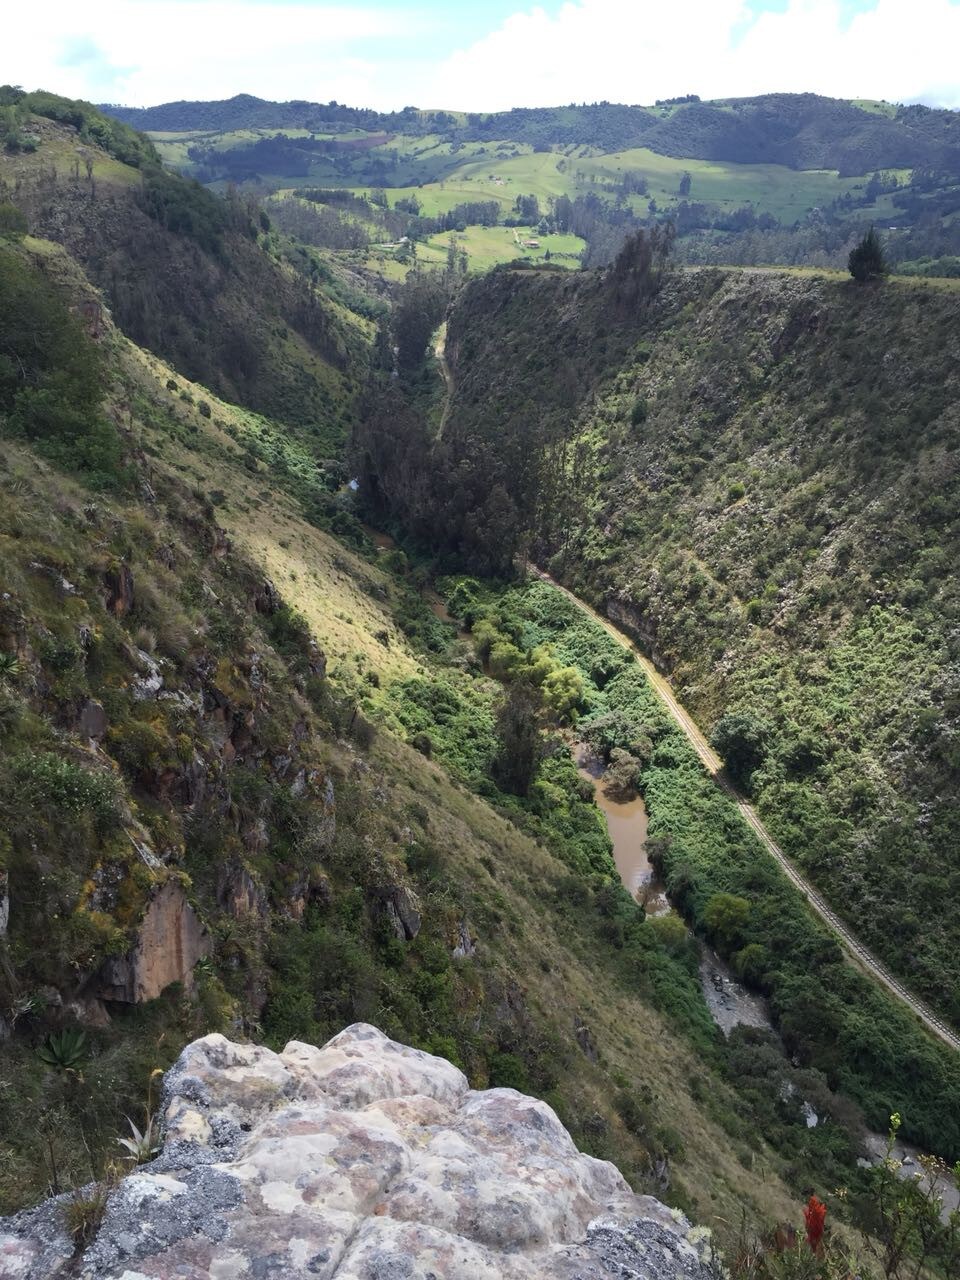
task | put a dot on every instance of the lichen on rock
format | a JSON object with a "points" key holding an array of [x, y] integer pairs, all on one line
{"points": [[363, 1160]]}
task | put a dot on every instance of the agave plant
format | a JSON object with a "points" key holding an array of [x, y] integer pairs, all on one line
{"points": [[64, 1050], [10, 666], [142, 1146]]}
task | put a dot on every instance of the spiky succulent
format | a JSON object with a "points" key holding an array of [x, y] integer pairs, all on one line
{"points": [[142, 1146], [64, 1050], [10, 666]]}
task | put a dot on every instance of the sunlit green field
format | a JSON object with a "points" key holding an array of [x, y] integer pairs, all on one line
{"points": [[486, 247], [442, 174], [788, 194]]}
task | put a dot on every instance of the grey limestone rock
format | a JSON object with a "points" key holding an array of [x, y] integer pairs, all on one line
{"points": [[363, 1160]]}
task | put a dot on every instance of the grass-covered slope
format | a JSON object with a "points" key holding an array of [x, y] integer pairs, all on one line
{"points": [[781, 525], [183, 271], [169, 723]]}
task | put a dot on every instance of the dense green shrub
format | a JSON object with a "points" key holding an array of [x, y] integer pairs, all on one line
{"points": [[46, 781], [184, 207], [117, 139], [50, 374], [13, 221]]}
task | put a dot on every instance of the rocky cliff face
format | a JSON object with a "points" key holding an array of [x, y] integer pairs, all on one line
{"points": [[169, 943], [364, 1159]]}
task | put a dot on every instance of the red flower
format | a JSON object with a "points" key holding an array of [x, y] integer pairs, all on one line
{"points": [[814, 1215]]}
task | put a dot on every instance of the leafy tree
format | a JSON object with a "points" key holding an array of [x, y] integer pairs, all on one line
{"points": [[485, 636], [686, 182], [623, 774], [528, 209], [638, 269], [420, 306], [540, 664], [462, 602], [184, 207], [50, 373], [867, 261], [563, 692], [725, 916], [751, 962], [505, 660], [740, 738], [614, 729]]}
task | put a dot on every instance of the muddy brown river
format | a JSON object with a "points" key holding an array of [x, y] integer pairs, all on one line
{"points": [[627, 824]]}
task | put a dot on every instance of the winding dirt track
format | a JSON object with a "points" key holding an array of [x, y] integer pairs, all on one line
{"points": [[855, 949]]}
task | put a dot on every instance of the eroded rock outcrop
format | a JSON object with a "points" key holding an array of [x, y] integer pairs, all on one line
{"points": [[169, 943], [118, 585], [363, 1160]]}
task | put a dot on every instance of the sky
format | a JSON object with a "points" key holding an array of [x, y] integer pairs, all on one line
{"points": [[486, 56]]}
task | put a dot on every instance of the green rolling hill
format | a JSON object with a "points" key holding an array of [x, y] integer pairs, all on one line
{"points": [[783, 178]]}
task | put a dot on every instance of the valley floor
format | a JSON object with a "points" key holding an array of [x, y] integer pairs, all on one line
{"points": [[714, 766]]}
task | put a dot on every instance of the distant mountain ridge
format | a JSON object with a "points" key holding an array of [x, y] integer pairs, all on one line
{"points": [[802, 131]]}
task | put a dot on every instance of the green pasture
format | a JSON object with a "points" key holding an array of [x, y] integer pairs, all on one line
{"points": [[486, 248], [878, 108], [786, 193], [442, 174]]}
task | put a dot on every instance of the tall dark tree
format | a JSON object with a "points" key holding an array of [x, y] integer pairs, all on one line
{"points": [[639, 266], [528, 208], [419, 309], [518, 731], [866, 261]]}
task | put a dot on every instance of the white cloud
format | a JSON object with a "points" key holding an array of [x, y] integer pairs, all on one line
{"points": [[158, 51], [147, 51], [637, 51]]}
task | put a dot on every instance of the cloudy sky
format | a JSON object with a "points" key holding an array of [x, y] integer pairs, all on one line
{"points": [[484, 56]]}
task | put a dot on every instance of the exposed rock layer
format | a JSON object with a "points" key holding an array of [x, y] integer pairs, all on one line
{"points": [[364, 1160], [170, 942]]}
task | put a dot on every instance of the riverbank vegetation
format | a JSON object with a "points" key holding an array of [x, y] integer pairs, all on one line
{"points": [[831, 1017]]}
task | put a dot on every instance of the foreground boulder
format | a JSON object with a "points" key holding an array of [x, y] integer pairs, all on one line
{"points": [[364, 1160]]}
